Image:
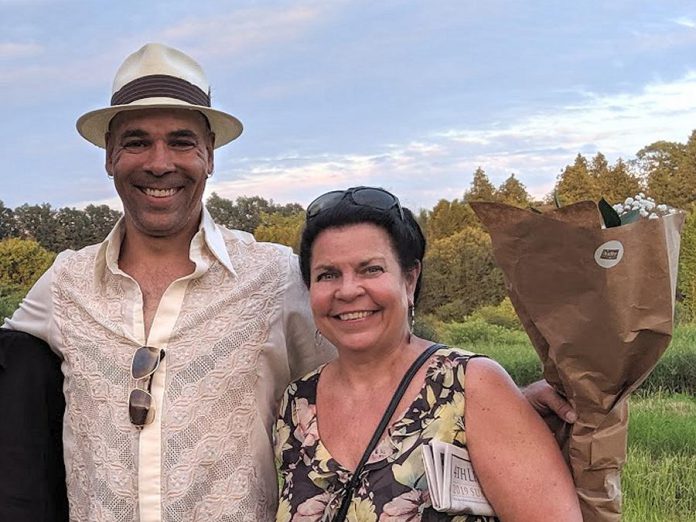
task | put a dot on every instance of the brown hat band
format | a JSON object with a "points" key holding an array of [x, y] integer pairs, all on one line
{"points": [[160, 85]]}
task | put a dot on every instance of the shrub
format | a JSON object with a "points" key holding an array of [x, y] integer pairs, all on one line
{"points": [[460, 275], [510, 348], [687, 268], [9, 302], [676, 370], [22, 261], [429, 327], [681, 313], [477, 330], [502, 314], [674, 373]]}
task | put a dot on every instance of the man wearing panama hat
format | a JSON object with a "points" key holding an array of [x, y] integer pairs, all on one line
{"points": [[177, 336]]}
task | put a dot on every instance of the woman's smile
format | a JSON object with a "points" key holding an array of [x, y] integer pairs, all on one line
{"points": [[353, 316]]}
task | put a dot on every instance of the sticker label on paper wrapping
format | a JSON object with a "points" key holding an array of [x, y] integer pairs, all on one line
{"points": [[609, 254]]}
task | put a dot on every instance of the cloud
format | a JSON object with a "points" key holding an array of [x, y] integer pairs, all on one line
{"points": [[243, 30], [621, 123], [425, 165], [440, 164], [534, 147], [33, 81], [296, 178], [240, 33], [661, 36], [685, 22], [24, 3], [113, 202], [420, 173], [12, 50]]}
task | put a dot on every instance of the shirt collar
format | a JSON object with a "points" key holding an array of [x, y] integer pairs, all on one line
{"points": [[214, 240], [209, 235]]}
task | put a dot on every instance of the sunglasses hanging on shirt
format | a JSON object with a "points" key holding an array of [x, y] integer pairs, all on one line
{"points": [[146, 360]]}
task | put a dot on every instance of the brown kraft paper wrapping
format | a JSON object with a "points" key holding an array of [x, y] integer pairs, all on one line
{"points": [[598, 306]]}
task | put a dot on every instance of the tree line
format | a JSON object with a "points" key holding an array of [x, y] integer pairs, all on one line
{"points": [[460, 274]]}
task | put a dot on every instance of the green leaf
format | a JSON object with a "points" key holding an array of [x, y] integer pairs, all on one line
{"points": [[630, 217], [609, 215]]}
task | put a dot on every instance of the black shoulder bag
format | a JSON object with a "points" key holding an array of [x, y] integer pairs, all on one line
{"points": [[389, 412]]}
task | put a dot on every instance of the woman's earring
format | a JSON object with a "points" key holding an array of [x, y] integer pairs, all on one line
{"points": [[318, 338], [411, 319]]}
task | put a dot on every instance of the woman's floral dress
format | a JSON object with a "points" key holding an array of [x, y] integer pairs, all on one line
{"points": [[393, 486]]}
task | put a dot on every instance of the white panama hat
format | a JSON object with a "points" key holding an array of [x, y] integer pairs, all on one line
{"points": [[157, 76]]}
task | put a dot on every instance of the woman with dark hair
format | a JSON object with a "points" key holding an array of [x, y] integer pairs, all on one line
{"points": [[361, 258]]}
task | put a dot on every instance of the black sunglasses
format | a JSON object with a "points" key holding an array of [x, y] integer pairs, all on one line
{"points": [[371, 197], [146, 360]]}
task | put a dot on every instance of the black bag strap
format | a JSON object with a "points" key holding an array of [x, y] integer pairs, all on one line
{"points": [[388, 413]]}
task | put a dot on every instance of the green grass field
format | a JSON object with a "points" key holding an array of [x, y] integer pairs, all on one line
{"points": [[659, 478]]}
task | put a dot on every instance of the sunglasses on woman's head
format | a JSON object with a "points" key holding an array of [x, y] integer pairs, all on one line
{"points": [[371, 197], [146, 360]]}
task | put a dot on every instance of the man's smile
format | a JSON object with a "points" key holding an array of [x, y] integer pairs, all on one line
{"points": [[159, 193]]}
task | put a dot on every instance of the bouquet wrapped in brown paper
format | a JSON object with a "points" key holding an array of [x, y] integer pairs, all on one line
{"points": [[598, 306]]}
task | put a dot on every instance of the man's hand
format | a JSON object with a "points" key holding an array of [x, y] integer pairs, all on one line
{"points": [[547, 402]]}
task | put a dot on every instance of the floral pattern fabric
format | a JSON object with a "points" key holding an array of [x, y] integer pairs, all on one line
{"points": [[393, 486]]}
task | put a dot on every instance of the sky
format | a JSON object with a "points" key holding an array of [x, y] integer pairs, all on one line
{"points": [[409, 95]]}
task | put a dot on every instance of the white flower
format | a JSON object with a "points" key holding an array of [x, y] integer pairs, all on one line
{"points": [[645, 206]]}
